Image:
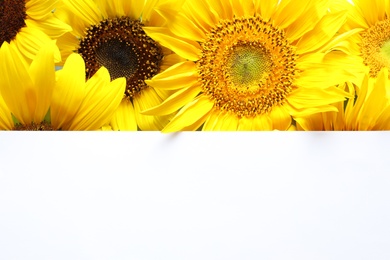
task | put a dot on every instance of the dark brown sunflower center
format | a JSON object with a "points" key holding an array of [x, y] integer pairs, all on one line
{"points": [[247, 66], [44, 126], [121, 45], [118, 57], [12, 16]]}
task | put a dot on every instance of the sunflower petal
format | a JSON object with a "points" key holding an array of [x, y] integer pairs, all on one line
{"points": [[68, 92], [226, 122], [6, 122], [175, 101], [16, 86], [29, 41], [40, 9], [43, 77], [245, 124], [86, 10], [124, 117], [187, 49], [190, 114], [181, 75], [262, 123], [281, 119], [52, 26], [211, 120], [101, 100], [146, 99], [322, 32]]}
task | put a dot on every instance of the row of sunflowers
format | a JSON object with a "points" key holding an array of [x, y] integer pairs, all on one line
{"points": [[184, 65]]}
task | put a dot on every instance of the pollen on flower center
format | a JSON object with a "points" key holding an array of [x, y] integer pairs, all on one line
{"points": [[247, 66], [44, 126], [375, 47], [121, 45], [12, 15], [118, 57]]}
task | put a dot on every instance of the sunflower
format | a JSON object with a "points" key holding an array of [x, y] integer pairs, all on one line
{"points": [[251, 65], [110, 34], [30, 24], [371, 46], [369, 109], [32, 97]]}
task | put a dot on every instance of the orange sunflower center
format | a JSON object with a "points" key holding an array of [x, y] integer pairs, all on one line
{"points": [[121, 45], [12, 15], [247, 66], [375, 47]]}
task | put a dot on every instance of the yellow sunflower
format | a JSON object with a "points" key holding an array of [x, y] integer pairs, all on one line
{"points": [[371, 46], [30, 24], [110, 33], [369, 109], [32, 97], [251, 65]]}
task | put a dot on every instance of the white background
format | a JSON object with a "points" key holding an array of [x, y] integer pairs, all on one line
{"points": [[146, 195]]}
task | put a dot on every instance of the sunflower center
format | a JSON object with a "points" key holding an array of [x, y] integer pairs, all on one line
{"points": [[44, 126], [118, 57], [247, 66], [12, 15], [121, 45], [375, 47]]}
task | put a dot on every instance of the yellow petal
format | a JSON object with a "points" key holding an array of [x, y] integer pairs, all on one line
{"points": [[52, 26], [341, 42], [170, 60], [86, 10], [314, 122], [226, 122], [211, 120], [181, 75], [222, 10], [186, 28], [68, 43], [146, 99], [375, 102], [16, 86], [245, 124], [196, 126], [322, 32], [342, 67], [187, 49], [203, 14], [43, 77], [175, 101], [383, 122], [6, 122], [308, 100], [190, 114], [243, 8], [68, 92], [281, 119], [40, 9], [133, 8], [124, 117], [148, 10], [372, 11], [307, 18], [262, 123], [288, 11], [266, 8], [101, 101], [30, 40]]}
